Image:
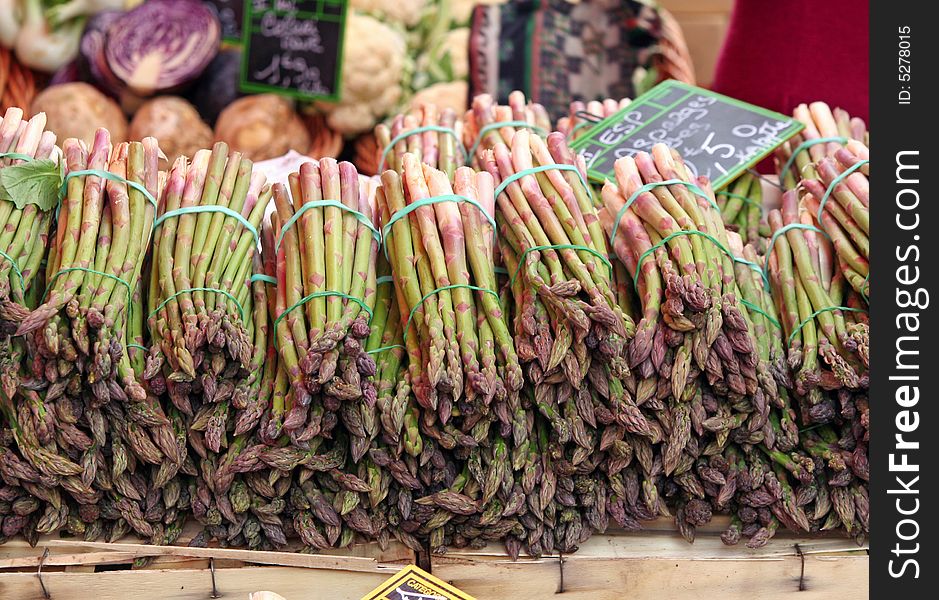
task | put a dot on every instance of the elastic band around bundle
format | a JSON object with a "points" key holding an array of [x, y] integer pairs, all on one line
{"points": [[540, 169], [17, 156], [187, 210], [526, 251], [818, 312], [649, 187], [137, 346], [86, 270], [705, 235], [782, 230], [323, 294], [263, 279], [404, 135], [16, 268], [754, 308], [498, 125], [110, 177], [400, 214], [384, 279], [384, 348], [361, 217], [805, 146], [241, 310], [837, 180], [500, 270], [453, 286]]}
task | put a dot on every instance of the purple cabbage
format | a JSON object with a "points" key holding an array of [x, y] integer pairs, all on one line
{"points": [[161, 45], [91, 52]]}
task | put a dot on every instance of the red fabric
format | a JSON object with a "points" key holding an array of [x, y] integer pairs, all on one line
{"points": [[780, 53]]}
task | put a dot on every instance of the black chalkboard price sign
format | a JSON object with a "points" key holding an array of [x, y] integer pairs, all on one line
{"points": [[293, 47], [717, 136], [230, 15]]}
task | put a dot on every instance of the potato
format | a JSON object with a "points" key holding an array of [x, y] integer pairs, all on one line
{"points": [[175, 123], [262, 127], [77, 110]]}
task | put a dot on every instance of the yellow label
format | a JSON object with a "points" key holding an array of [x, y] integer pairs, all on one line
{"points": [[413, 583]]}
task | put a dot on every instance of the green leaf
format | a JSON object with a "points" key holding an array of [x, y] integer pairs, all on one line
{"points": [[35, 182]]}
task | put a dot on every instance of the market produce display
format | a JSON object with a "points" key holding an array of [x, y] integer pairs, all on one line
{"points": [[476, 345]]}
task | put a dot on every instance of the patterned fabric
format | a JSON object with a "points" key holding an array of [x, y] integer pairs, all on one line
{"points": [[556, 50]]}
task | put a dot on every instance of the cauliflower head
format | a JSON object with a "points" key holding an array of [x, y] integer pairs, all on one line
{"points": [[372, 71], [405, 12]]}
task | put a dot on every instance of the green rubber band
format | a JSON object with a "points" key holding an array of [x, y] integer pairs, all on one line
{"points": [[782, 230], [16, 268], [500, 270], [102, 273], [17, 156], [187, 210], [263, 279], [649, 187], [384, 348], [867, 286], [111, 177], [437, 291], [521, 257], [805, 146], [306, 299], [137, 346], [836, 181], [705, 235], [384, 279], [540, 169], [241, 310], [498, 125], [818, 312], [400, 214], [364, 220], [754, 308], [422, 129]]}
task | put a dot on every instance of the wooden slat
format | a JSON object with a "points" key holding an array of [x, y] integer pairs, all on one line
{"points": [[192, 584], [641, 566]]}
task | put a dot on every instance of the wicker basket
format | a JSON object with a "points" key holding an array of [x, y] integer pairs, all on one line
{"points": [[17, 83]]}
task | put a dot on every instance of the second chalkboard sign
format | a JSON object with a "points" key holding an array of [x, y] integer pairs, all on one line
{"points": [[293, 47], [718, 137]]}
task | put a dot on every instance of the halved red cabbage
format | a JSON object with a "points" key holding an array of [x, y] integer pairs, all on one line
{"points": [[162, 44]]}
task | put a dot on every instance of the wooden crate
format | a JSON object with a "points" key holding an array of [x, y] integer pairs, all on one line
{"points": [[657, 564], [76, 570]]}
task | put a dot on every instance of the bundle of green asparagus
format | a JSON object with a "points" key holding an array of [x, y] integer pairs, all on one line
{"points": [[487, 123], [461, 358], [741, 207], [840, 202], [825, 132], [433, 135], [826, 328], [326, 246], [199, 303], [25, 232]]}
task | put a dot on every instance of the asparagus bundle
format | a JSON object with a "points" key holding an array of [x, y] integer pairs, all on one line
{"points": [[582, 116], [440, 147], [23, 242], [741, 207], [825, 132], [326, 247], [199, 302], [845, 214], [487, 123], [827, 332], [94, 263], [461, 357]]}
